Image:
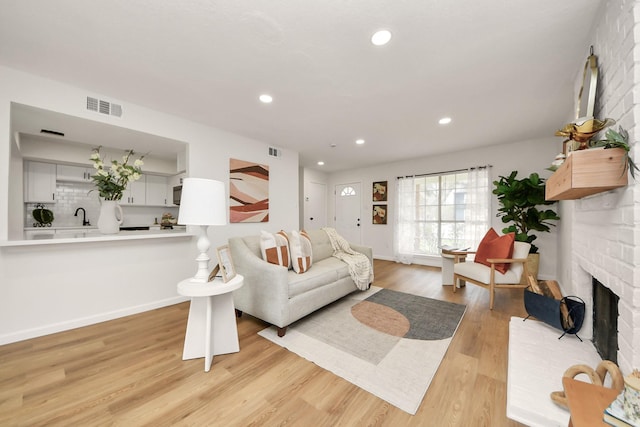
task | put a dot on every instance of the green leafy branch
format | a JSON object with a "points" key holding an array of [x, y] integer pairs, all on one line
{"points": [[620, 139]]}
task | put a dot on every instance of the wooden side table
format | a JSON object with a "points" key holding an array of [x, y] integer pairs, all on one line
{"points": [[448, 261], [211, 328], [587, 402]]}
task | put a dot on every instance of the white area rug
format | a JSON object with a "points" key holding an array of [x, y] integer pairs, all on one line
{"points": [[537, 362], [397, 370]]}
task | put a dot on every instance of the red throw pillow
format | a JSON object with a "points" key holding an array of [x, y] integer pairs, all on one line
{"points": [[494, 246]]}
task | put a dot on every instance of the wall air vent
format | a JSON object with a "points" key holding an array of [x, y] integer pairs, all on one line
{"points": [[275, 152], [92, 104], [116, 110], [104, 107]]}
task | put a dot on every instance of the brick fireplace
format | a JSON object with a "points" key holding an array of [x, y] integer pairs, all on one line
{"points": [[600, 234]]}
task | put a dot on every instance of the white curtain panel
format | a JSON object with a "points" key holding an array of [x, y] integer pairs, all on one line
{"points": [[405, 234], [476, 219], [477, 206]]}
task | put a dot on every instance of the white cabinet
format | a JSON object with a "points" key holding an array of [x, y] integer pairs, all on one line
{"points": [[74, 173], [40, 182], [156, 190], [135, 193]]}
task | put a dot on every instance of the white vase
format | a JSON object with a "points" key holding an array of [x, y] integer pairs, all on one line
{"points": [[108, 222]]}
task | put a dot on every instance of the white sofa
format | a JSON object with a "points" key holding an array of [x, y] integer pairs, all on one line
{"points": [[280, 296]]}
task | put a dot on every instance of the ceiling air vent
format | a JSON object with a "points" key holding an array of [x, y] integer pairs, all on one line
{"points": [[275, 152], [104, 107]]}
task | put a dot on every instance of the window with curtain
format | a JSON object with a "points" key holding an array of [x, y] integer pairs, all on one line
{"points": [[448, 209]]}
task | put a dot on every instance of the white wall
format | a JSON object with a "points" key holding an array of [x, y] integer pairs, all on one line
{"points": [[525, 157], [51, 288]]}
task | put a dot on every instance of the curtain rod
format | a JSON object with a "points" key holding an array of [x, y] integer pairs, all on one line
{"points": [[445, 172]]}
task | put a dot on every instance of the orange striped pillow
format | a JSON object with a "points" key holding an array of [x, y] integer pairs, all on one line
{"points": [[301, 255], [275, 248]]}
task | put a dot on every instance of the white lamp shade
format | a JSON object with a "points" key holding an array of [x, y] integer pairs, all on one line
{"points": [[203, 202]]}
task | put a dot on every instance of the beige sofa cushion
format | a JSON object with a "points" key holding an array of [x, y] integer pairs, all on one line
{"points": [[323, 273]]}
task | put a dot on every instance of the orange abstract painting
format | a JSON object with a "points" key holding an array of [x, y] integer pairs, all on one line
{"points": [[249, 191]]}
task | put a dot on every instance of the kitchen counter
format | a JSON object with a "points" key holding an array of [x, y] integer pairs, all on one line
{"points": [[65, 235]]}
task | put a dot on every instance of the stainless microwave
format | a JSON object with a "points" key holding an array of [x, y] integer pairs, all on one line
{"points": [[177, 194]]}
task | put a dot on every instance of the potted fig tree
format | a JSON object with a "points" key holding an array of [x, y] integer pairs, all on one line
{"points": [[521, 202]]}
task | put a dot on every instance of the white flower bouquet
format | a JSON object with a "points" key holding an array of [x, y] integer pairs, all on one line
{"points": [[113, 179]]}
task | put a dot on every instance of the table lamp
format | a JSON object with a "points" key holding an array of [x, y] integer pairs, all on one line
{"points": [[203, 203]]}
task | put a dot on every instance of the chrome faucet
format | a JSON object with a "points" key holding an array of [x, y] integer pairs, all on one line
{"points": [[85, 221]]}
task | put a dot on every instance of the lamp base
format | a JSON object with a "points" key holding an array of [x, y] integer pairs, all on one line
{"points": [[202, 275]]}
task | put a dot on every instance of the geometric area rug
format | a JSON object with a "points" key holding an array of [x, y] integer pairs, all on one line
{"points": [[386, 342]]}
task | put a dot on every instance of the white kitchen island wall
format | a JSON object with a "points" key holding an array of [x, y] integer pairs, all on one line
{"points": [[50, 288]]}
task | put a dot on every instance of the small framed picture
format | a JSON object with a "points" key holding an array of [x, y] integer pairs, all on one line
{"points": [[226, 263], [380, 191], [214, 273], [379, 214]]}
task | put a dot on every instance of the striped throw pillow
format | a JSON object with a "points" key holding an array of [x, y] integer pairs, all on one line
{"points": [[301, 255], [275, 248]]}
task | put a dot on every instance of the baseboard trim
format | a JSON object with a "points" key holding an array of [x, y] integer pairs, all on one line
{"points": [[86, 321], [420, 260]]}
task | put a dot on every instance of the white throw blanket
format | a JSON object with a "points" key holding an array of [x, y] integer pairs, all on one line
{"points": [[360, 267]]}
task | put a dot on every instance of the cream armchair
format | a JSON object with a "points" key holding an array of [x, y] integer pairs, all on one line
{"points": [[488, 277]]}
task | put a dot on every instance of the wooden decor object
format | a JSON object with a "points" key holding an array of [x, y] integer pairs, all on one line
{"points": [[596, 376], [587, 172], [587, 402]]}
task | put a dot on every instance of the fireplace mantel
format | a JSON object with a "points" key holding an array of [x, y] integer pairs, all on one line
{"points": [[588, 172]]}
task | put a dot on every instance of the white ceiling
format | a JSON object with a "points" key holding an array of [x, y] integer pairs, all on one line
{"points": [[504, 70]]}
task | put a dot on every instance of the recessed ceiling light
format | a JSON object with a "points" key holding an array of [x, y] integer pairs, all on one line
{"points": [[321, 163], [267, 99], [381, 37], [445, 120], [359, 141]]}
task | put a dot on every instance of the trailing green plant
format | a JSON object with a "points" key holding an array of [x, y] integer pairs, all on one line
{"points": [[619, 139], [519, 200]]}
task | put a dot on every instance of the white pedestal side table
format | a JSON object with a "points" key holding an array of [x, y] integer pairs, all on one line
{"points": [[211, 328]]}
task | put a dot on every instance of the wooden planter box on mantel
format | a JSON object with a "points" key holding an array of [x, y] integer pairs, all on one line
{"points": [[587, 172]]}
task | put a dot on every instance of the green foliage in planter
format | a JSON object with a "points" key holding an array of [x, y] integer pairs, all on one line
{"points": [[519, 199], [613, 139]]}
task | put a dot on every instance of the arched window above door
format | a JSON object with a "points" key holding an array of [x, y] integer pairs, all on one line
{"points": [[348, 191]]}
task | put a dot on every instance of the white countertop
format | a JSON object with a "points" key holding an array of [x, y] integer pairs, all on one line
{"points": [[93, 235], [55, 227]]}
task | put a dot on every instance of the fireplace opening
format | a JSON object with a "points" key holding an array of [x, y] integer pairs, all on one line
{"points": [[605, 321]]}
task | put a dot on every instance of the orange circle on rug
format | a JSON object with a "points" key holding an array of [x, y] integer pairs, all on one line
{"points": [[381, 318]]}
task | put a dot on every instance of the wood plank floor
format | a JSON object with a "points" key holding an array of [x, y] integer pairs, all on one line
{"points": [[130, 372]]}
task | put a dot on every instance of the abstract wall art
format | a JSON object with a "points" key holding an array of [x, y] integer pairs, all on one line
{"points": [[379, 214], [248, 191], [380, 191]]}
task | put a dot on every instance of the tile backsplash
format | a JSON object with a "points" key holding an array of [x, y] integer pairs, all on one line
{"points": [[73, 195]]}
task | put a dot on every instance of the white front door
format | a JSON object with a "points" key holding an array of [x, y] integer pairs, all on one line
{"points": [[315, 206], [348, 211]]}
